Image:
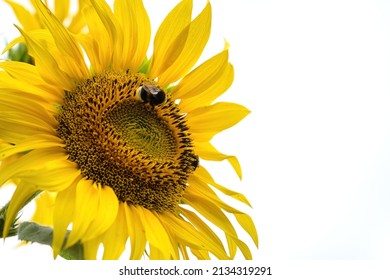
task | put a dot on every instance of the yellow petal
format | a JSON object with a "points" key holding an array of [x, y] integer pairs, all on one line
{"points": [[90, 248], [136, 232], [247, 224], [64, 42], [86, 206], [78, 20], [175, 22], [201, 254], [200, 188], [188, 235], [77, 23], [53, 178], [106, 212], [243, 247], [34, 142], [210, 211], [100, 55], [14, 81], [136, 30], [205, 83], [174, 243], [37, 116], [207, 151], [184, 252], [201, 226], [107, 18], [44, 210], [202, 173], [232, 246], [61, 9], [23, 71], [195, 41], [155, 232], [46, 61], [25, 17], [21, 195], [215, 118], [14, 131], [30, 162], [114, 239], [216, 88], [64, 209], [156, 254], [202, 77], [13, 43]]}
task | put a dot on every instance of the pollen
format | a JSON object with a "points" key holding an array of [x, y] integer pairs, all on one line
{"points": [[141, 150]]}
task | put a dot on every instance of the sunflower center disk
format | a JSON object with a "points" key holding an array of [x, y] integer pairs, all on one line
{"points": [[143, 151], [143, 130]]}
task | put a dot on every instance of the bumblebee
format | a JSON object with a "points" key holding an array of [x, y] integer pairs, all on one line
{"points": [[151, 94], [195, 162]]}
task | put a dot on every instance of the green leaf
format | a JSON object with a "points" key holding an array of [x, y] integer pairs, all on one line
{"points": [[33, 232]]}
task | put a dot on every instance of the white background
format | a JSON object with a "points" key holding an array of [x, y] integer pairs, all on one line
{"points": [[315, 150]]}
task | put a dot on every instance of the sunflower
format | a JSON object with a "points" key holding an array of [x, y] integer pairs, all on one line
{"points": [[114, 141]]}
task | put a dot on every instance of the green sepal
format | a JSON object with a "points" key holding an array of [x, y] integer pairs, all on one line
{"points": [[75, 252], [144, 68], [33, 232], [20, 53], [13, 230], [170, 87]]}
